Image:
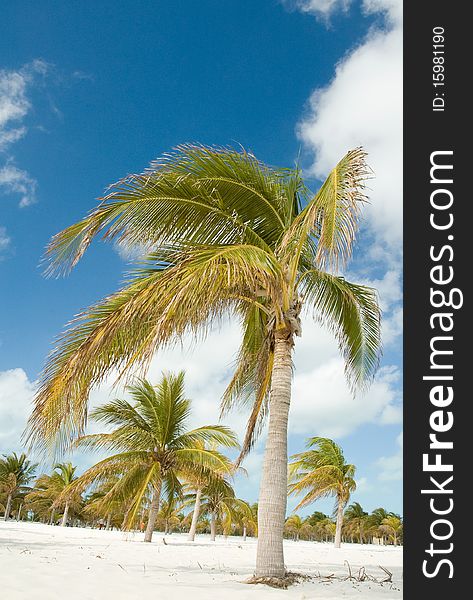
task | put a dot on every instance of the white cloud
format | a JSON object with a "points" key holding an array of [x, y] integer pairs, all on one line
{"points": [[15, 105], [16, 394], [391, 327], [362, 105], [4, 240], [322, 402], [320, 8], [363, 485], [16, 181], [391, 466]]}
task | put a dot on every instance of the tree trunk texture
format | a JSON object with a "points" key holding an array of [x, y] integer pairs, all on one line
{"points": [[153, 514], [244, 534], [339, 523], [64, 516], [195, 516], [7, 508], [109, 521], [273, 488]]}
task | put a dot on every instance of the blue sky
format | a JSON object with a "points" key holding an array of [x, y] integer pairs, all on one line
{"points": [[90, 92]]}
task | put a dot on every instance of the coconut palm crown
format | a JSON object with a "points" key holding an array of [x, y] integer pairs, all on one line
{"points": [[225, 235], [322, 472], [152, 446]]}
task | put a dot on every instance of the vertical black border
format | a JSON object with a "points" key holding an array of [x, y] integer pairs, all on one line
{"points": [[426, 131]]}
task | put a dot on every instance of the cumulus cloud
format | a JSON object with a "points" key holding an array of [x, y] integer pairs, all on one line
{"points": [[322, 398], [4, 240], [15, 105], [16, 181], [390, 467], [320, 8], [362, 105], [16, 394]]}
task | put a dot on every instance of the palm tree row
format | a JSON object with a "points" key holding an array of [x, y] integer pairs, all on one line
{"points": [[380, 527], [160, 468], [225, 235], [231, 516]]}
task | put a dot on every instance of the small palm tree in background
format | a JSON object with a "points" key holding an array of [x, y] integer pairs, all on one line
{"points": [[221, 505], [154, 447], [356, 520], [15, 474], [225, 235], [320, 472], [170, 514], [41, 498], [392, 526], [375, 520], [248, 521], [101, 505], [61, 485], [293, 526]]}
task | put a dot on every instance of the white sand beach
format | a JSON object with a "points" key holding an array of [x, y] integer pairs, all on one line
{"points": [[48, 563]]}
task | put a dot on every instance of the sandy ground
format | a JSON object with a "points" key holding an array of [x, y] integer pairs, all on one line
{"points": [[48, 563]]}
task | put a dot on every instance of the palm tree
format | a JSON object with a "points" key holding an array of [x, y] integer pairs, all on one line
{"points": [[293, 526], [15, 474], [249, 521], [221, 504], [199, 482], [61, 485], [321, 472], [225, 234], [154, 446], [356, 518], [169, 516], [315, 517], [41, 498], [392, 525], [375, 520], [100, 505]]}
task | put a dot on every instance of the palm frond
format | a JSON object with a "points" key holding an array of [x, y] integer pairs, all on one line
{"points": [[351, 312]]}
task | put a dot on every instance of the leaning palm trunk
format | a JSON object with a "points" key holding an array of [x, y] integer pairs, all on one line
{"points": [[51, 520], [244, 534], [64, 516], [18, 514], [109, 520], [339, 523], [213, 527], [195, 515], [7, 508], [273, 488], [153, 514]]}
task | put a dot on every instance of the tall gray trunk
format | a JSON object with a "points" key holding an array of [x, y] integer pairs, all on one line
{"points": [[153, 514], [273, 488], [64, 516], [109, 520], [339, 523], [7, 508], [244, 534], [195, 516], [213, 527], [18, 515]]}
